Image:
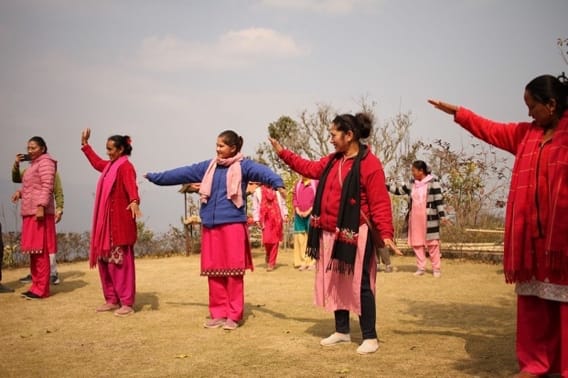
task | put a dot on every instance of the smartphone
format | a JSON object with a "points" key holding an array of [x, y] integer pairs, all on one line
{"points": [[26, 157]]}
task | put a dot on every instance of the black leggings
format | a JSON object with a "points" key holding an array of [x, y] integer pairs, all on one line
{"points": [[368, 310]]}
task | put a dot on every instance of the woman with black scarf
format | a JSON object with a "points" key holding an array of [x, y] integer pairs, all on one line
{"points": [[351, 195]]}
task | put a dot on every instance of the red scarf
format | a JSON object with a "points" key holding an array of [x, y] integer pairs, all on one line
{"points": [[521, 209], [100, 234]]}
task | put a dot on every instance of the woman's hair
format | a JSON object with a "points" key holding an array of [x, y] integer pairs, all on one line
{"points": [[40, 142], [359, 124], [231, 139], [122, 141], [546, 88], [421, 166]]}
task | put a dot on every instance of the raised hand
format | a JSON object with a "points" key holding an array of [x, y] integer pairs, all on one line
{"points": [[275, 145], [85, 135]]}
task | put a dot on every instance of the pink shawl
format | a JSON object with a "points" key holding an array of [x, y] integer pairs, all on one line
{"points": [[100, 234], [234, 178]]}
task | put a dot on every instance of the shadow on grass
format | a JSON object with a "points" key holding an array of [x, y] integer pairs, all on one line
{"points": [[70, 281], [252, 308], [147, 301], [488, 333], [405, 268]]}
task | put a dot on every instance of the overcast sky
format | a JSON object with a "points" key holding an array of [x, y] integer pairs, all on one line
{"points": [[173, 74]]}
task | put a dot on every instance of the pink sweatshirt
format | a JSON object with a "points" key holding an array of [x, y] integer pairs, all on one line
{"points": [[37, 186]]}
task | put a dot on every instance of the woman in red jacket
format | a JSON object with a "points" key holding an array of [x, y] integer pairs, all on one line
{"points": [[536, 224], [351, 194], [114, 223]]}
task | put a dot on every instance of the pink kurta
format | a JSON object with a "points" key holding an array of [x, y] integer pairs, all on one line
{"points": [[336, 291], [417, 222]]}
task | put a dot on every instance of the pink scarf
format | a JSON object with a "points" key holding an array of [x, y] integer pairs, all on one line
{"points": [[234, 178], [100, 234], [421, 188]]}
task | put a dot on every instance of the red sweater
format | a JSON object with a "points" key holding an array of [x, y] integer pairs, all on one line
{"points": [[124, 191], [375, 200]]}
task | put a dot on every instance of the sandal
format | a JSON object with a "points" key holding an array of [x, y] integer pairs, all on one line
{"points": [[107, 307], [124, 311]]}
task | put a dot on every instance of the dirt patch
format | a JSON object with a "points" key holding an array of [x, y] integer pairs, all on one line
{"points": [[461, 325]]}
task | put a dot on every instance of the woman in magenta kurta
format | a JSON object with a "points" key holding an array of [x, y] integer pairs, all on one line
{"points": [[114, 232], [351, 191], [38, 215], [536, 224]]}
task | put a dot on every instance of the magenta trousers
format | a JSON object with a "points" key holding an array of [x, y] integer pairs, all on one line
{"points": [[226, 297], [40, 269], [542, 336], [119, 280], [271, 253]]}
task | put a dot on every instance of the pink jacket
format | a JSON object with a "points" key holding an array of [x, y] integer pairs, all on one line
{"points": [[37, 186]]}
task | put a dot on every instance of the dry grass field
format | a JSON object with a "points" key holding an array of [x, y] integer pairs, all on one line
{"points": [[461, 325]]}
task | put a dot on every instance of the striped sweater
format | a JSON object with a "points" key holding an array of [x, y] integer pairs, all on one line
{"points": [[434, 205]]}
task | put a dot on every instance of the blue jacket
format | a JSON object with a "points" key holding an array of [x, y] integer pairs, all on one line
{"points": [[219, 209]]}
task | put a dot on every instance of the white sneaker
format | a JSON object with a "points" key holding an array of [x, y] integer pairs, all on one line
{"points": [[437, 274], [336, 338], [368, 346], [419, 272]]}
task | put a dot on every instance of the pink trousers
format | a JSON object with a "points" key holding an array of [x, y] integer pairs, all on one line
{"points": [[119, 280], [226, 297], [271, 253], [434, 252], [40, 270], [542, 335]]}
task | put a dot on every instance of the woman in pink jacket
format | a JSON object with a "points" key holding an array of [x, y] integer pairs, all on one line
{"points": [[38, 215], [536, 224]]}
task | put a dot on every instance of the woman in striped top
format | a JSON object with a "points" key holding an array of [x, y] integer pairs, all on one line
{"points": [[425, 212]]}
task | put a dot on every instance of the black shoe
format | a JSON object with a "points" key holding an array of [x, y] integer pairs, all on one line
{"points": [[26, 279], [29, 295], [55, 279], [5, 289]]}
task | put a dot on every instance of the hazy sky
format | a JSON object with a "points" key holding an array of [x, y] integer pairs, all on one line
{"points": [[173, 74]]}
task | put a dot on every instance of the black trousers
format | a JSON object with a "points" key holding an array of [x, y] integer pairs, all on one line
{"points": [[368, 316]]}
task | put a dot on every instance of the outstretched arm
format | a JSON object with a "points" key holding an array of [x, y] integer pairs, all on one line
{"points": [[506, 136], [178, 176]]}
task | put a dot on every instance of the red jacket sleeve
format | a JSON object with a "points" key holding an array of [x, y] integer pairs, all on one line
{"points": [[506, 136], [128, 175], [379, 203], [307, 168], [96, 161]]}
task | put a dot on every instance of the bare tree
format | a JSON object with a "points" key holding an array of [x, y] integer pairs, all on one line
{"points": [[562, 44]]}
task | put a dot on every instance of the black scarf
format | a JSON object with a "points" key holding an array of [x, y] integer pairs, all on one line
{"points": [[345, 246]]}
